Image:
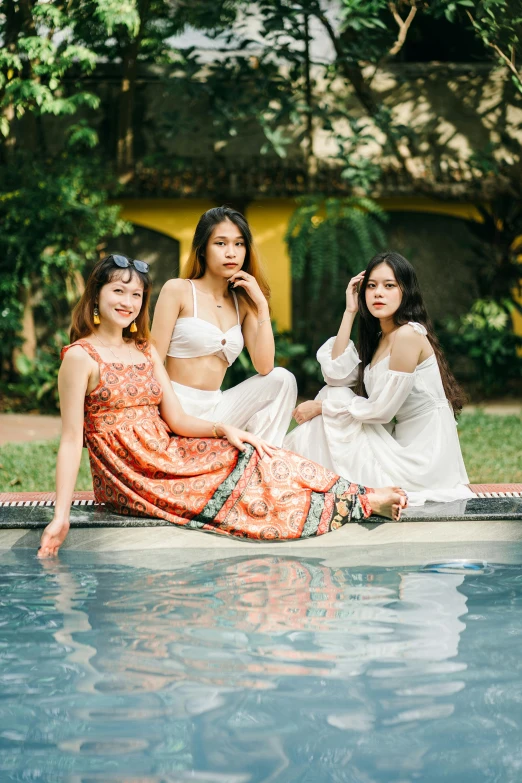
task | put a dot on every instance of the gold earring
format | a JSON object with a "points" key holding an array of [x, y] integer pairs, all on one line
{"points": [[96, 315], [133, 327]]}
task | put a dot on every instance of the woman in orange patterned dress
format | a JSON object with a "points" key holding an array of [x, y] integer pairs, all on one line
{"points": [[115, 396]]}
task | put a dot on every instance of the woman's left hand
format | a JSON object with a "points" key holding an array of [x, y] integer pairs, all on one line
{"points": [[251, 286], [307, 410]]}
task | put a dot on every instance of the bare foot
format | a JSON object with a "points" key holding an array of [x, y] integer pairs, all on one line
{"points": [[52, 538], [388, 502]]}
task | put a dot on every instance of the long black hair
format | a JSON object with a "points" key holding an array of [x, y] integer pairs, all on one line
{"points": [[411, 308]]}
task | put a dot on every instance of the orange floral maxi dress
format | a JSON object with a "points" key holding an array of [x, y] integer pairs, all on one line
{"points": [[139, 468]]}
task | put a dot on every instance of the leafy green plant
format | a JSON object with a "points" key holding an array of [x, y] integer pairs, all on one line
{"points": [[54, 211], [498, 24], [329, 240], [54, 215], [485, 336], [333, 236], [36, 384]]}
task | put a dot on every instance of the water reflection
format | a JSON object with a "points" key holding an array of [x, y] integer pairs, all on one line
{"points": [[278, 617], [251, 669]]}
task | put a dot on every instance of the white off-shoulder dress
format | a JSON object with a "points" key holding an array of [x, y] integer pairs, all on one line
{"points": [[404, 434]]}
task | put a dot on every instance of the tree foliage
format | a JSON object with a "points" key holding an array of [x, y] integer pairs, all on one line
{"points": [[267, 86], [329, 242], [53, 208], [498, 23], [485, 336], [53, 221], [39, 52]]}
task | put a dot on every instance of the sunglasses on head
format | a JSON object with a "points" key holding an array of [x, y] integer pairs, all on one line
{"points": [[123, 262]]}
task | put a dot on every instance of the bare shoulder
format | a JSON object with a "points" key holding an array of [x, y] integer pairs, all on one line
{"points": [[77, 356], [407, 349], [171, 302], [175, 287], [77, 367], [406, 335]]}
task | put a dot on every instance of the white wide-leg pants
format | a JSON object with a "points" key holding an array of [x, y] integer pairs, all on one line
{"points": [[261, 405]]}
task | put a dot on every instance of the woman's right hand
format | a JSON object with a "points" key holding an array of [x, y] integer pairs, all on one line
{"points": [[352, 294], [53, 537], [238, 438]]}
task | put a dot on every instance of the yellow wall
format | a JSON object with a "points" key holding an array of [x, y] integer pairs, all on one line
{"points": [[268, 221], [516, 316], [419, 204], [269, 218], [174, 217]]}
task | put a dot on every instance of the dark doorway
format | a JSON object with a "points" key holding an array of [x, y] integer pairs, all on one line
{"points": [[158, 250]]}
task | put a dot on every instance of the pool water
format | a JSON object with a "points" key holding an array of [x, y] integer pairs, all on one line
{"points": [[260, 668]]}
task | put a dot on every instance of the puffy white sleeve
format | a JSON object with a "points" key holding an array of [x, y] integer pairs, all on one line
{"points": [[342, 371], [388, 396]]}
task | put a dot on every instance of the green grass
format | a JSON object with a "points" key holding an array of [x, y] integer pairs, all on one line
{"points": [[491, 446], [29, 467]]}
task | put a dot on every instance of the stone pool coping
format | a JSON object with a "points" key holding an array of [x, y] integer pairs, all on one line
{"points": [[494, 515], [500, 502], [378, 544]]}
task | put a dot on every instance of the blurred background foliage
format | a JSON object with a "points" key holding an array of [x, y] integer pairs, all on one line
{"points": [[485, 336], [61, 165], [329, 241], [53, 218]]}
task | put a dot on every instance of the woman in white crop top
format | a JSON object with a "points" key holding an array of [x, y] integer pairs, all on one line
{"points": [[202, 323], [386, 414]]}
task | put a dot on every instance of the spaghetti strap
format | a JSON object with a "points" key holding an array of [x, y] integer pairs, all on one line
{"points": [[194, 300], [237, 307], [419, 328], [87, 347]]}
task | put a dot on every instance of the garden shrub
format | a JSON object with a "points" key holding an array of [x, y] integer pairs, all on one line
{"points": [[485, 336]]}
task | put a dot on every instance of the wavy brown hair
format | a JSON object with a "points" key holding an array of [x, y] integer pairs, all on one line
{"points": [[103, 272], [411, 308], [197, 265]]}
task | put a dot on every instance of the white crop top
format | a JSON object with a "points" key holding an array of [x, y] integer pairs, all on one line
{"points": [[194, 337]]}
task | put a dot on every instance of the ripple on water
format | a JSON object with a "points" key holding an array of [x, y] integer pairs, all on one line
{"points": [[256, 669]]}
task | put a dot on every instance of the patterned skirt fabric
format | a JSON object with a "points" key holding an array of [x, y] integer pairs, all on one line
{"points": [[206, 484]]}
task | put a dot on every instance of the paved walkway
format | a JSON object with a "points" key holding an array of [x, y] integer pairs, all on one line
{"points": [[26, 427], [498, 408]]}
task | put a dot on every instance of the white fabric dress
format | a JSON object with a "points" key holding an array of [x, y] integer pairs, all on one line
{"points": [[404, 434]]}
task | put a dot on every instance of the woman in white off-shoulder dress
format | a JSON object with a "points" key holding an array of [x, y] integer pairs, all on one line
{"points": [[387, 413]]}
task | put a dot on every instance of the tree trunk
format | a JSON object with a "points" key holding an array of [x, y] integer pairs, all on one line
{"points": [[310, 159], [28, 347], [125, 142], [13, 25]]}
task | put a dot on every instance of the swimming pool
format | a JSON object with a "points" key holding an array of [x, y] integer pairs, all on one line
{"points": [[258, 668]]}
